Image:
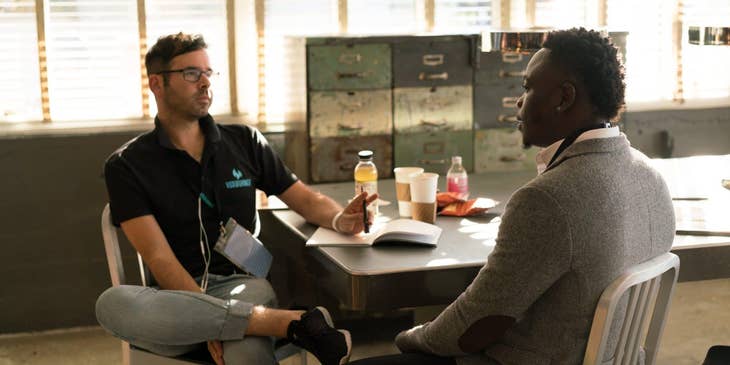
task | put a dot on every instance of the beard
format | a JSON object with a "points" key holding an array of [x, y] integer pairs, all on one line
{"points": [[189, 107]]}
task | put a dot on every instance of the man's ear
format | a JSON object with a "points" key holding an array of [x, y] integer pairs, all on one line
{"points": [[155, 82], [567, 96]]}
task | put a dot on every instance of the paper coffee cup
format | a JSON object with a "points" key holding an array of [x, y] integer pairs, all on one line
{"points": [[423, 197], [403, 188]]}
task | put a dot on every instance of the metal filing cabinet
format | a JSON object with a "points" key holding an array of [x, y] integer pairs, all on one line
{"points": [[432, 96], [434, 61], [437, 108], [349, 66], [433, 150], [334, 159], [349, 105], [501, 149], [497, 86], [350, 113]]}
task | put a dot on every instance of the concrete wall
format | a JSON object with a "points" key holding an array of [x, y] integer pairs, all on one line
{"points": [[680, 133], [53, 265]]}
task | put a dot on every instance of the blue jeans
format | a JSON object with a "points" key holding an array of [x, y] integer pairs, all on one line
{"points": [[173, 322]]}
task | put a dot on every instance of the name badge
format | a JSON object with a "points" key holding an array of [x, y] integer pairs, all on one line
{"points": [[244, 250]]}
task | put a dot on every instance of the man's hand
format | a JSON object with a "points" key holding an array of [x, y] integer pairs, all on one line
{"points": [[351, 222], [216, 352]]}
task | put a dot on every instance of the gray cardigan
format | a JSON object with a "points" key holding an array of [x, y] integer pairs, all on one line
{"points": [[564, 237]]}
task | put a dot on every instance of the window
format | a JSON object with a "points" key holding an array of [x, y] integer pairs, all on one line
{"points": [[89, 65], [93, 66], [650, 61], [562, 14], [705, 71], [20, 90], [381, 17], [455, 16], [206, 17], [286, 22]]}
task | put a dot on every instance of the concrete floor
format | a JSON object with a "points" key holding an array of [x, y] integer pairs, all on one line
{"points": [[699, 318]]}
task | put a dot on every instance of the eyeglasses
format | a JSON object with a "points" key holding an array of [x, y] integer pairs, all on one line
{"points": [[191, 74]]}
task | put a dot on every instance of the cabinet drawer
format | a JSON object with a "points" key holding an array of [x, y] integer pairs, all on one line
{"points": [[348, 67], [433, 150], [506, 66], [350, 113], [425, 109], [502, 150], [429, 61], [495, 107], [334, 159]]}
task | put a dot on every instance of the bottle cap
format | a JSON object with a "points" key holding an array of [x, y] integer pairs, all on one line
{"points": [[365, 154], [456, 159]]}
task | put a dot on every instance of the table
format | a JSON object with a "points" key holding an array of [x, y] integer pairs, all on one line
{"points": [[393, 277]]}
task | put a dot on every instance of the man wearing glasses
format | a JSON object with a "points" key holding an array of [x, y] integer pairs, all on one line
{"points": [[171, 190]]}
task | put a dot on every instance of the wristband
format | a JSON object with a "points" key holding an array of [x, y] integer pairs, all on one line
{"points": [[335, 220]]}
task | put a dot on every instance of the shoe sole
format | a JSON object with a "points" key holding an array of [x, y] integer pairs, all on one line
{"points": [[346, 333]]}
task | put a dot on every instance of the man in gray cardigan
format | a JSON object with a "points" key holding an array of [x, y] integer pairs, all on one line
{"points": [[595, 208]]}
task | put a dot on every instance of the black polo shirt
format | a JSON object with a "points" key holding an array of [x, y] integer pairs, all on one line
{"points": [[148, 175]]}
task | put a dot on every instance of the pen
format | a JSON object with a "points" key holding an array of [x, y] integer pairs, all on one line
{"points": [[365, 214]]}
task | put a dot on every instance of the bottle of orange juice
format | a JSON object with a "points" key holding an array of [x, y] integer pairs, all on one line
{"points": [[366, 177]]}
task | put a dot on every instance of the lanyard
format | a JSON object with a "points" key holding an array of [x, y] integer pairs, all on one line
{"points": [[570, 139]]}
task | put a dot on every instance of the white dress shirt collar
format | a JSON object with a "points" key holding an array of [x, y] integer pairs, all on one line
{"points": [[543, 157]]}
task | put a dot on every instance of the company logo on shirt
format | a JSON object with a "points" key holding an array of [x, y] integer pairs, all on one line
{"points": [[238, 182]]}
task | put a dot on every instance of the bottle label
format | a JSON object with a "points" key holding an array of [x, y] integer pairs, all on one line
{"points": [[457, 184], [371, 187]]}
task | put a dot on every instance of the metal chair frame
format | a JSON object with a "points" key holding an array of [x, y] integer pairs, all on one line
{"points": [[650, 285], [132, 355]]}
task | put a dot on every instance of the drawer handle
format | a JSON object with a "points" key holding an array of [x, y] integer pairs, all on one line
{"points": [[433, 59], [507, 118], [349, 59], [503, 73], [515, 158], [511, 57], [350, 75], [435, 123], [428, 76], [432, 162], [351, 106], [347, 166], [433, 147], [510, 101], [344, 127]]}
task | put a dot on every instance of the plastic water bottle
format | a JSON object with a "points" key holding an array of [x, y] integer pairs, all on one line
{"points": [[456, 179], [366, 177]]}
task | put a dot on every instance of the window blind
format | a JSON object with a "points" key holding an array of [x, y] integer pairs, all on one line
{"points": [[455, 16], [562, 14], [382, 17], [651, 66], [206, 17], [92, 49], [286, 23], [20, 91], [705, 71]]}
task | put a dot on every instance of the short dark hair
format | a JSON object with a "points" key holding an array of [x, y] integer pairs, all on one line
{"points": [[594, 59], [170, 46]]}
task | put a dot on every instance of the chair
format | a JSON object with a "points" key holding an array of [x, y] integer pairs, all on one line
{"points": [[132, 355], [650, 285]]}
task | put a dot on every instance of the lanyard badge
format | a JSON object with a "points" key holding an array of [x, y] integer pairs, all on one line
{"points": [[244, 250]]}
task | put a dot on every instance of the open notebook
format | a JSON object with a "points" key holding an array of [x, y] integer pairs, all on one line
{"points": [[399, 231]]}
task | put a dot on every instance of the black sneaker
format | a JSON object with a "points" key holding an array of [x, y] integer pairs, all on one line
{"points": [[315, 333]]}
